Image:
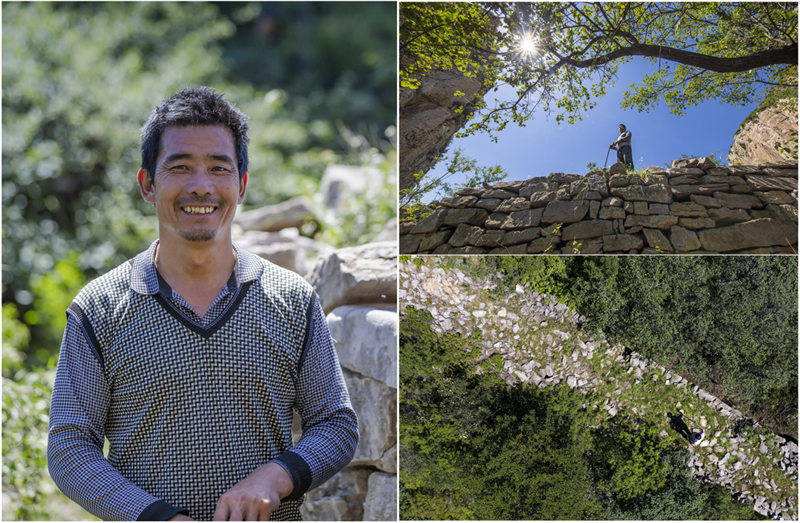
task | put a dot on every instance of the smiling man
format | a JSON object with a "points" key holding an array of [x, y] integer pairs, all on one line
{"points": [[191, 358]]}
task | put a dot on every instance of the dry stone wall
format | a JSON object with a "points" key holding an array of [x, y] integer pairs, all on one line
{"points": [[692, 207], [357, 287], [540, 342]]}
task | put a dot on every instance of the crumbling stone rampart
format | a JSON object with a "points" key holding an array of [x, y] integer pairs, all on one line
{"points": [[692, 207], [530, 338]]}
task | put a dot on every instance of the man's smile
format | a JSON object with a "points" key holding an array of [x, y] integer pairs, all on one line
{"points": [[198, 209]]}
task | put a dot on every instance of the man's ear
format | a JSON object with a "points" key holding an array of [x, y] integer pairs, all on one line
{"points": [[146, 186], [242, 187]]}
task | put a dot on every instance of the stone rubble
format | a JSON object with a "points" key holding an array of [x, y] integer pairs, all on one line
{"points": [[545, 346], [692, 207]]}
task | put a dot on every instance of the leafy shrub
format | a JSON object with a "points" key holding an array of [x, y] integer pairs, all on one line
{"points": [[28, 491]]}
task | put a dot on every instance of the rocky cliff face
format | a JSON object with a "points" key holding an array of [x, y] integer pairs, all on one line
{"points": [[431, 114], [542, 343], [754, 143], [429, 119]]}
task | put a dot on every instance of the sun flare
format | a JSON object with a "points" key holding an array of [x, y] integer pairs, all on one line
{"points": [[527, 45]]}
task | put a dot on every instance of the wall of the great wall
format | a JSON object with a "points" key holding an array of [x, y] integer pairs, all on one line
{"points": [[692, 207]]}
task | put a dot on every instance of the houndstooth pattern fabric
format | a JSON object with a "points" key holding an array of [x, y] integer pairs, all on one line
{"points": [[193, 405]]}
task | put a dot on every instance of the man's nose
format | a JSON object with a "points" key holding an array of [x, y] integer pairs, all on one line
{"points": [[200, 182]]}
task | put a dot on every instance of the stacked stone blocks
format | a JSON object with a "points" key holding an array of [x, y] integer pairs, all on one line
{"points": [[692, 207]]}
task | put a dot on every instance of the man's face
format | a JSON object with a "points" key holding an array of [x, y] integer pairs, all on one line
{"points": [[196, 185], [621, 129]]}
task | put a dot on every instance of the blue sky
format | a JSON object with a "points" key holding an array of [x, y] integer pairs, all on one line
{"points": [[543, 146]]}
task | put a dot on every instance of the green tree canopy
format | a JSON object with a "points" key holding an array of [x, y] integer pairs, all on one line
{"points": [[560, 57]]}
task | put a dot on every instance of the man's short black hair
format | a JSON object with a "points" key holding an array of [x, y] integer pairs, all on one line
{"points": [[195, 106], [623, 126]]}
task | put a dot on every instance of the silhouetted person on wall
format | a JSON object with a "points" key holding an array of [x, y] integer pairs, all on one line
{"points": [[623, 146], [677, 423]]}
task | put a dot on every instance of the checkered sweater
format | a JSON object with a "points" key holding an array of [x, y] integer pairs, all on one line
{"points": [[193, 405]]}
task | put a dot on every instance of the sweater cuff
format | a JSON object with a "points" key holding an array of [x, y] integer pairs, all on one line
{"points": [[298, 470], [160, 511]]}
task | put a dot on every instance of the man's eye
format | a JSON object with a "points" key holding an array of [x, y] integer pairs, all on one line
{"points": [[221, 170], [179, 168]]}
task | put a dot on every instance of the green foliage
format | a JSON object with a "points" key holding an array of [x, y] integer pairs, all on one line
{"points": [[28, 491], [544, 274], [411, 206], [53, 292], [334, 61], [444, 36], [681, 497], [580, 47], [472, 447], [72, 109], [726, 323], [631, 451], [15, 335]]}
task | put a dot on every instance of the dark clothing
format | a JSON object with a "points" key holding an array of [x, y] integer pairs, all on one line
{"points": [[193, 405], [625, 155], [677, 423]]}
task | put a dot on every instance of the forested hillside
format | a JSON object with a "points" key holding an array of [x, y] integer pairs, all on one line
{"points": [[479, 440], [474, 448]]}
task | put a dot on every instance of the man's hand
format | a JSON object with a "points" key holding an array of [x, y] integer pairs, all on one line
{"points": [[180, 517], [256, 496]]}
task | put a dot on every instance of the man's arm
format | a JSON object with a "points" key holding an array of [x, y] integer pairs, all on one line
{"points": [[329, 423], [330, 434], [77, 431]]}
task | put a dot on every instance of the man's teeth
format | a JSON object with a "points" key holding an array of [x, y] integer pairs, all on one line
{"points": [[198, 210]]}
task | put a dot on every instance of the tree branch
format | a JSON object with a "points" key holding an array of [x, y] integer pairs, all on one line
{"points": [[784, 55]]}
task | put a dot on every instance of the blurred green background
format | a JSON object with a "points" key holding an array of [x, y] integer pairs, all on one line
{"points": [[316, 79]]}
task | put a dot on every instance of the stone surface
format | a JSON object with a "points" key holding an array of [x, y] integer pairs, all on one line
{"points": [[470, 215], [657, 240], [684, 240], [621, 242], [763, 232], [607, 213], [381, 500], [375, 406], [725, 216], [366, 340], [355, 275], [648, 193], [513, 204], [738, 201], [586, 229], [687, 209], [522, 219], [696, 223], [523, 236], [694, 195], [766, 183], [754, 143], [465, 234], [290, 213], [430, 223], [434, 240], [285, 248], [658, 221], [341, 498], [428, 119], [565, 211]]}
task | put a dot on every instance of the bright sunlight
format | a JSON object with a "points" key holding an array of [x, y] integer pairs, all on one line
{"points": [[527, 45]]}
